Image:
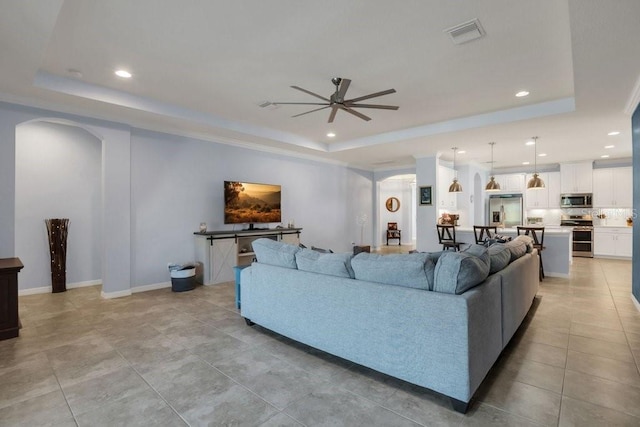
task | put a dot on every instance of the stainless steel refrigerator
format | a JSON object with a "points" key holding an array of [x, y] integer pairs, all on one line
{"points": [[505, 210]]}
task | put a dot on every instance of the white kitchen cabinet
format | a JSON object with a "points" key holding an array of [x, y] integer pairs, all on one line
{"points": [[446, 200], [576, 177], [511, 182], [537, 198], [547, 197], [553, 184], [613, 241], [613, 187]]}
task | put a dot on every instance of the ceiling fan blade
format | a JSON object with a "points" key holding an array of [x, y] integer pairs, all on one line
{"points": [[381, 107], [344, 85], [300, 103], [311, 93], [334, 110], [307, 112], [373, 95], [355, 113]]}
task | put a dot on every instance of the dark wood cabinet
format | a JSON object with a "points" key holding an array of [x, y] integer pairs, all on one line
{"points": [[9, 323]]}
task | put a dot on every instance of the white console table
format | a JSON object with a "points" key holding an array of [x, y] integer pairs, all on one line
{"points": [[219, 251]]}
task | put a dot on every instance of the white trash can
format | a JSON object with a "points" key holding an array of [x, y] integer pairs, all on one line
{"points": [[183, 277]]}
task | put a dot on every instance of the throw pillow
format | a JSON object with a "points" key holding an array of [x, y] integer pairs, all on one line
{"points": [[280, 254], [398, 269], [528, 240], [517, 248], [499, 257], [457, 272], [325, 263]]}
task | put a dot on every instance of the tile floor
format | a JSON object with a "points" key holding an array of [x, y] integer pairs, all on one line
{"points": [[163, 358]]}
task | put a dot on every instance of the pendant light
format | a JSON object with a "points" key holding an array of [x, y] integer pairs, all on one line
{"points": [[492, 185], [455, 186], [536, 182]]}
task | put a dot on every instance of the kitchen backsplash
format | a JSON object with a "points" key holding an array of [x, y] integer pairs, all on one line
{"points": [[613, 217]]}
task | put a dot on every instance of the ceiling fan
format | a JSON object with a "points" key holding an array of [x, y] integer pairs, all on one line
{"points": [[337, 102]]}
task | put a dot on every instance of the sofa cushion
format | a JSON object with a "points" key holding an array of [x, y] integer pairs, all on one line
{"points": [[270, 252], [456, 272], [408, 270], [499, 256], [325, 263], [517, 248]]}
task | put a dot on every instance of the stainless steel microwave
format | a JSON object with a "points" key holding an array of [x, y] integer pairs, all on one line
{"points": [[581, 200]]}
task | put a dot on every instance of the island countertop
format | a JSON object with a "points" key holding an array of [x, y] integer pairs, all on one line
{"points": [[548, 229]]}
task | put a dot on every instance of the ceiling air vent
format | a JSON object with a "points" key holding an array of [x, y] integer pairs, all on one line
{"points": [[466, 31]]}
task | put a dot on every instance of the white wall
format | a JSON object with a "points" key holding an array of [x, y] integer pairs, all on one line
{"points": [[157, 188], [58, 175], [177, 183]]}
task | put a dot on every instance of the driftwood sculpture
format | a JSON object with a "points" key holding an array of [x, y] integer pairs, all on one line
{"points": [[58, 230]]}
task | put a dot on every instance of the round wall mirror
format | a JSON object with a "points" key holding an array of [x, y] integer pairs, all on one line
{"points": [[392, 204]]}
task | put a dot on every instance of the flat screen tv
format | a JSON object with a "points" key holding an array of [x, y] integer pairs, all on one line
{"points": [[250, 203]]}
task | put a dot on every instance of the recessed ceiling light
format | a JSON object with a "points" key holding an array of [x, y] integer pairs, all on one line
{"points": [[529, 143], [609, 146], [542, 155], [604, 156], [331, 135], [526, 163], [522, 93], [123, 73], [614, 133], [461, 151]]}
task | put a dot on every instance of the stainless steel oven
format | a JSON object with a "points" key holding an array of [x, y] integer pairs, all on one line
{"points": [[583, 242], [582, 234]]}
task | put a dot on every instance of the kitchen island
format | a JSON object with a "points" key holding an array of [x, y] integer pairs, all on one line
{"points": [[556, 257]]}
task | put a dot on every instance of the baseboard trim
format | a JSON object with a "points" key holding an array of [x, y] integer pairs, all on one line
{"points": [[47, 289], [635, 302], [117, 294], [84, 284], [564, 276], [34, 291], [151, 287]]}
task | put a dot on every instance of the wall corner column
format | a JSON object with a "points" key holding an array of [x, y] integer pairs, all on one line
{"points": [[116, 213]]}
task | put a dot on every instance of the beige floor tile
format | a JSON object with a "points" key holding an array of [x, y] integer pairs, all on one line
{"points": [[578, 413], [612, 369], [597, 332], [602, 392], [536, 404], [194, 348], [608, 349], [50, 409]]}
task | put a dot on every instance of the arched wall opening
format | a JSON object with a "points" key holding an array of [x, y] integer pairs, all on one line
{"points": [[403, 188], [58, 175]]}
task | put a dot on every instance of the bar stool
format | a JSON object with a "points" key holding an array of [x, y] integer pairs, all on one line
{"points": [[447, 237], [537, 234], [481, 230]]}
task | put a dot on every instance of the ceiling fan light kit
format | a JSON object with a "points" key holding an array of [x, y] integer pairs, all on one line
{"points": [[337, 101], [535, 182]]}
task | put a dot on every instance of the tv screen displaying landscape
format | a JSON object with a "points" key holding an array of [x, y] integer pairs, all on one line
{"points": [[246, 203]]}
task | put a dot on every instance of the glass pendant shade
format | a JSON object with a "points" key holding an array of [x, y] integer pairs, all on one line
{"points": [[455, 186], [492, 185], [535, 182]]}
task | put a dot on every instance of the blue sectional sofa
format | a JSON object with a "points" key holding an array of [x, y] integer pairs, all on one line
{"points": [[436, 320]]}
